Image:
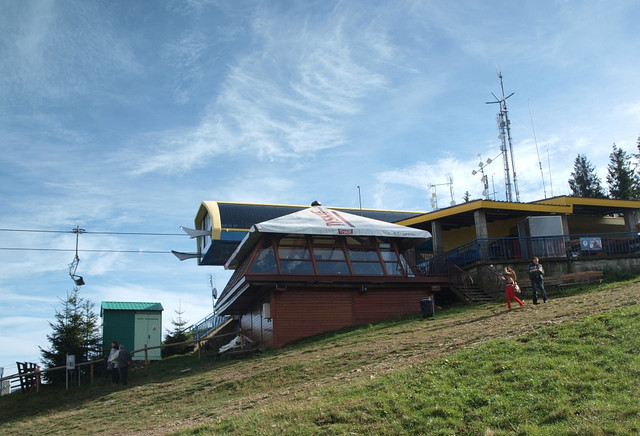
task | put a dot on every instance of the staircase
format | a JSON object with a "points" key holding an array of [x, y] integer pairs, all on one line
{"points": [[465, 287]]}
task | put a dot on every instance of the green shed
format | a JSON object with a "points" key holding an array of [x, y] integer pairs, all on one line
{"points": [[134, 325]]}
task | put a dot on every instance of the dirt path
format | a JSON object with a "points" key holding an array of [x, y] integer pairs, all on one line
{"points": [[402, 346]]}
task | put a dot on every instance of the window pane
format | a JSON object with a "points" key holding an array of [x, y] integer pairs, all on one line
{"points": [[322, 253], [389, 255], [394, 269], [296, 267], [356, 254], [333, 268], [359, 240], [367, 268], [265, 262], [327, 240], [293, 253], [293, 248]]}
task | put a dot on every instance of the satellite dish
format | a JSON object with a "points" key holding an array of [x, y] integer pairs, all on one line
{"points": [[214, 293]]}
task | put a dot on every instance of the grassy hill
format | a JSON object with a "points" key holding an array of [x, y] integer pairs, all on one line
{"points": [[568, 367]]}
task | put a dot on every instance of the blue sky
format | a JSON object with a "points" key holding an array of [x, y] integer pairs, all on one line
{"points": [[122, 117]]}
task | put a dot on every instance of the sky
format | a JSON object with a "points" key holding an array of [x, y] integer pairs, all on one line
{"points": [[121, 117]]}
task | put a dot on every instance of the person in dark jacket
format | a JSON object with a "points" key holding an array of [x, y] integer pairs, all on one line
{"points": [[124, 361], [536, 274]]}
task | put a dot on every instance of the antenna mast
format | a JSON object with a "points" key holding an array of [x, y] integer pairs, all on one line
{"points": [[504, 127], [434, 193], [544, 187]]}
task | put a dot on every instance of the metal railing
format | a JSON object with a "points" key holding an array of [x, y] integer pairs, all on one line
{"points": [[549, 247], [202, 328]]}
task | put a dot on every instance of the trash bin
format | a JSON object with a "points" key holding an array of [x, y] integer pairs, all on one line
{"points": [[427, 307]]}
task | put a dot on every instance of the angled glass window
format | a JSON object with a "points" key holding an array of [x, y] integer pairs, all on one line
{"points": [[365, 259], [294, 255], [329, 255], [265, 260], [389, 255]]}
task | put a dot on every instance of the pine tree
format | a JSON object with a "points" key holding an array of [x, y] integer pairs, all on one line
{"points": [[75, 332], [624, 183], [584, 181], [179, 334], [466, 197]]}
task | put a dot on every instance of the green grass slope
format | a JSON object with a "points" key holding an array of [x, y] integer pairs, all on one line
{"points": [[568, 367]]}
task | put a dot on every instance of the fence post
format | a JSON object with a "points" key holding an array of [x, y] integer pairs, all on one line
{"points": [[37, 379]]}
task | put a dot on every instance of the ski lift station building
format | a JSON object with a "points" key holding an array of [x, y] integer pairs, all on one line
{"points": [[134, 325]]}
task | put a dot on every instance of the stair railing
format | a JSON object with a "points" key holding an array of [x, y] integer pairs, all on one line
{"points": [[205, 326], [490, 280]]}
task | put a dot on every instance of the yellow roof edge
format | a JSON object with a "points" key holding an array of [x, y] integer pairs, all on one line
{"points": [[567, 200], [486, 204], [309, 205]]}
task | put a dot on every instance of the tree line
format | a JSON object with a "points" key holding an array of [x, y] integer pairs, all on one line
{"points": [[623, 176]]}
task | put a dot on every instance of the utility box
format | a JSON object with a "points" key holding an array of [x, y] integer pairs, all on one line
{"points": [[134, 325], [543, 236]]}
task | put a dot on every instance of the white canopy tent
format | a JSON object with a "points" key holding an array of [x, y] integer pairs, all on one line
{"points": [[317, 220]]}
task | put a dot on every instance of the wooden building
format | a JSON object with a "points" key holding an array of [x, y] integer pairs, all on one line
{"points": [[317, 270]]}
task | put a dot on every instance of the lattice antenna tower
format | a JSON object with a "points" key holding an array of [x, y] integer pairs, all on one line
{"points": [[506, 147]]}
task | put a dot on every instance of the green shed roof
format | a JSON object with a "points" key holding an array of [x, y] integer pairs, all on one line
{"points": [[130, 305]]}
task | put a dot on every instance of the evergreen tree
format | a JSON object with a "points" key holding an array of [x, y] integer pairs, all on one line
{"points": [[75, 332], [624, 183], [466, 197], [179, 334], [584, 181]]}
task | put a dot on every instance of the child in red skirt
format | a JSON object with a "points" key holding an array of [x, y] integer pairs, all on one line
{"points": [[510, 279]]}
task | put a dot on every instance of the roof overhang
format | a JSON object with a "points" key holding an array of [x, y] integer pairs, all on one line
{"points": [[463, 215]]}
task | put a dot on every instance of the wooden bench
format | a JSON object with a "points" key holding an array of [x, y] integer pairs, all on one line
{"points": [[581, 277], [567, 279]]}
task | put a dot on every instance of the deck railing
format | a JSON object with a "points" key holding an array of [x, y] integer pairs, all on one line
{"points": [[575, 246]]}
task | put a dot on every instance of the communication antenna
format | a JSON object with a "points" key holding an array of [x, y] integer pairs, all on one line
{"points": [[484, 179], [544, 188], [434, 192], [214, 291], [73, 266], [360, 200], [504, 127], [450, 179], [549, 166]]}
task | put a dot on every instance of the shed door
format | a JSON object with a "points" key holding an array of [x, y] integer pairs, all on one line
{"points": [[148, 331]]}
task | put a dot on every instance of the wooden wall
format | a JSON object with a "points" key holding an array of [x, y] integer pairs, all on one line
{"points": [[300, 313], [261, 328]]}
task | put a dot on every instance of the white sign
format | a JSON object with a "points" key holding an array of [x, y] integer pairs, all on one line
{"points": [[71, 361]]}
